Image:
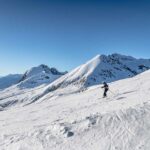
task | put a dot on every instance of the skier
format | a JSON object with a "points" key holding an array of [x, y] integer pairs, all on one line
{"points": [[106, 88]]}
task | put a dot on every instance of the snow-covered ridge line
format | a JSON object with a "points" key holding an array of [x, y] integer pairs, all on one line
{"points": [[102, 68]]}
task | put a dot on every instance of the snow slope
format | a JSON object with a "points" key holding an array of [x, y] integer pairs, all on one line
{"points": [[9, 80], [63, 120]]}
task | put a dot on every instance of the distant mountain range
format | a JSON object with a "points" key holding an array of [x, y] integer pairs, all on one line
{"points": [[100, 68], [31, 78], [9, 80]]}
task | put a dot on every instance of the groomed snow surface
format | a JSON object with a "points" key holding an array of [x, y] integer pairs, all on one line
{"points": [[66, 119]]}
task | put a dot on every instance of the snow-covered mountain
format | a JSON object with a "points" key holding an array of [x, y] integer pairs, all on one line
{"points": [[30, 85], [39, 75], [36, 76], [102, 68], [9, 80], [62, 120]]}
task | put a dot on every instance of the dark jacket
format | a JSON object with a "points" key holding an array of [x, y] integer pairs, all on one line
{"points": [[105, 86]]}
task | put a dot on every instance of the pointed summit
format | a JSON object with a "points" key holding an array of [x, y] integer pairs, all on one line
{"points": [[39, 75], [41, 69]]}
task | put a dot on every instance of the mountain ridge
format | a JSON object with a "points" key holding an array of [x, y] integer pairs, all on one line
{"points": [[103, 68]]}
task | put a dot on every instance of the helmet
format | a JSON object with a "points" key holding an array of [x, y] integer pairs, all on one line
{"points": [[104, 82]]}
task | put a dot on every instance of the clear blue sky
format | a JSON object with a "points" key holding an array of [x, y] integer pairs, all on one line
{"points": [[66, 33]]}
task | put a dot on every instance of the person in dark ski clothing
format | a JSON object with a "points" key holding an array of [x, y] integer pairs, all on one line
{"points": [[106, 88]]}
